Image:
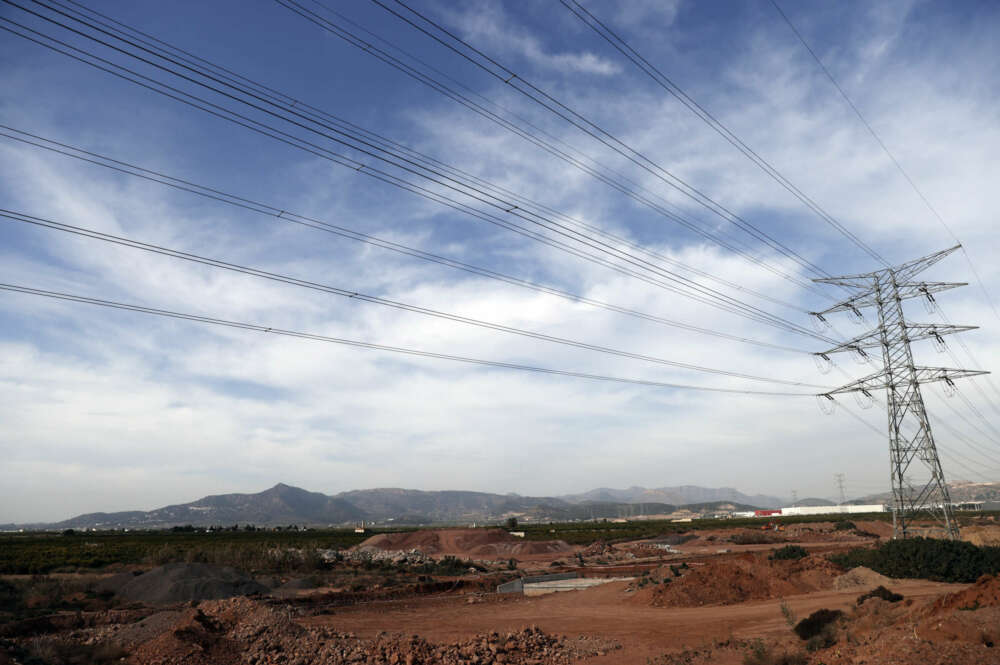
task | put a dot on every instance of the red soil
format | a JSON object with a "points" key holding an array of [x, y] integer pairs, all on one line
{"points": [[607, 612], [984, 593], [739, 579]]}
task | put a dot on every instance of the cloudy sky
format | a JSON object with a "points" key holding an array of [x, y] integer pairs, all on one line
{"points": [[104, 409]]}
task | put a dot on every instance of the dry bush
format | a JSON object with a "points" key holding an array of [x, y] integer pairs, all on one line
{"points": [[880, 592]]}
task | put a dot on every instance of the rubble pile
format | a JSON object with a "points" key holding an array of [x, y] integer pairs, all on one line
{"points": [[412, 557]]}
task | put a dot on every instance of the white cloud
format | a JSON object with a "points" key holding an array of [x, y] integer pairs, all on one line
{"points": [[122, 411], [490, 25]]}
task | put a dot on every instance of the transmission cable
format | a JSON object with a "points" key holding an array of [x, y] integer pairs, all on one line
{"points": [[974, 359], [288, 102], [355, 295], [867, 424], [967, 440], [370, 345], [373, 50], [667, 84], [728, 304], [885, 149], [520, 118], [273, 212], [547, 101], [351, 130]]}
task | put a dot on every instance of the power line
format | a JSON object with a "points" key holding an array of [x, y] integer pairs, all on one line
{"points": [[664, 82], [370, 345], [355, 295], [968, 352], [289, 103], [506, 207], [962, 437], [885, 149], [705, 294], [600, 173], [595, 131], [275, 213], [877, 431]]}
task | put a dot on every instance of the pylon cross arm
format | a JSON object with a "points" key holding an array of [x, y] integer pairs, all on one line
{"points": [[879, 380], [914, 331], [868, 298]]}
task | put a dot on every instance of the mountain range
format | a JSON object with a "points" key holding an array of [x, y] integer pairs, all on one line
{"points": [[284, 505]]}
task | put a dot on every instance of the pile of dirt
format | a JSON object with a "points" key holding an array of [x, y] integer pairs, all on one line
{"points": [[961, 628], [739, 579], [984, 593], [876, 528], [185, 582], [860, 577], [464, 543], [988, 535], [246, 631]]}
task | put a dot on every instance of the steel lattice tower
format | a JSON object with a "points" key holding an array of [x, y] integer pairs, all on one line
{"points": [[910, 437]]}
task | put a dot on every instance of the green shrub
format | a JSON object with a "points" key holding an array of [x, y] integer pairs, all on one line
{"points": [[880, 592], [926, 558], [789, 552], [814, 624], [844, 525]]}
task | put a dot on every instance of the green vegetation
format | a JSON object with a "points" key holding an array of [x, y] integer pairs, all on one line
{"points": [[844, 525], [926, 558], [31, 553], [789, 553]]}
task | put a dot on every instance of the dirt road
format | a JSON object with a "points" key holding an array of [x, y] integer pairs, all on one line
{"points": [[606, 612]]}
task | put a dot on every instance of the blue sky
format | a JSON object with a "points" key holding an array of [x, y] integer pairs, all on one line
{"points": [[109, 410]]}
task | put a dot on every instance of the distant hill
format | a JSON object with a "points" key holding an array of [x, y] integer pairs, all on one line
{"points": [[681, 495], [814, 502], [284, 505], [443, 506], [959, 491]]}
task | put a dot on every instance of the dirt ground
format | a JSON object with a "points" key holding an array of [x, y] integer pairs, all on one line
{"points": [[719, 598], [644, 631]]}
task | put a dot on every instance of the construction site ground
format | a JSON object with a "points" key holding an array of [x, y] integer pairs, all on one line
{"points": [[707, 596], [643, 631]]}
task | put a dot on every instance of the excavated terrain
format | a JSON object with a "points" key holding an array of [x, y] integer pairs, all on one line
{"points": [[730, 605]]}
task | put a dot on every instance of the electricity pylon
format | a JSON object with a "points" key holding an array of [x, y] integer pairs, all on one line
{"points": [[839, 477], [910, 437]]}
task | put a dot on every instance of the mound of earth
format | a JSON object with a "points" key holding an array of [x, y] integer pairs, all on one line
{"points": [[185, 582], [876, 527], [961, 628], [988, 535], [465, 543], [242, 630], [860, 577], [984, 593], [739, 579]]}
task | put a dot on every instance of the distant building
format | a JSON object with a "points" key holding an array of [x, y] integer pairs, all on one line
{"points": [[833, 510]]}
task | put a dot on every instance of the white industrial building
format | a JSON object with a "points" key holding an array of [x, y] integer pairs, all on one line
{"points": [[834, 510]]}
